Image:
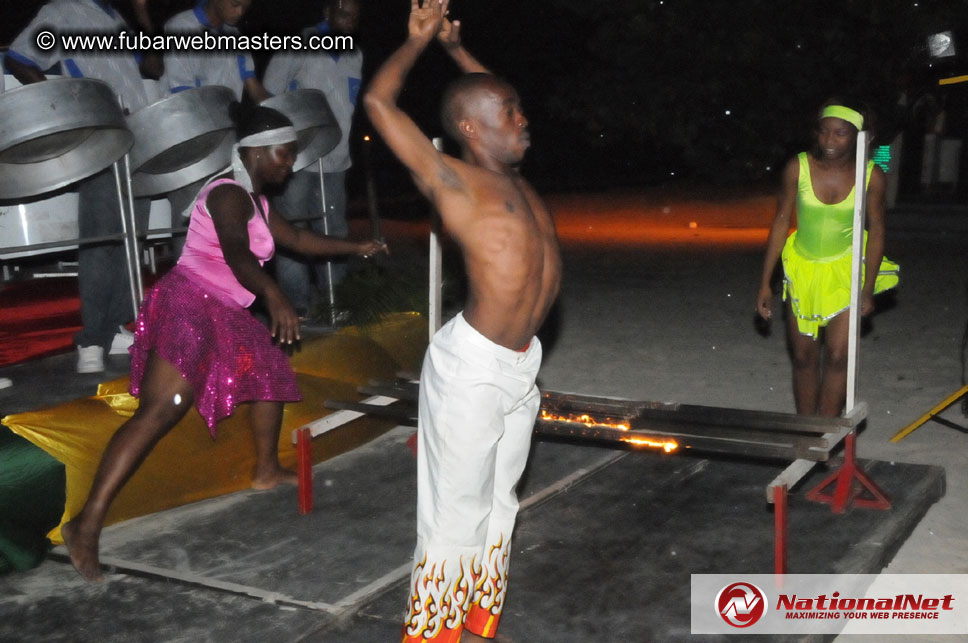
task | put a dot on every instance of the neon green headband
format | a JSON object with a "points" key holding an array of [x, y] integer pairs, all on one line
{"points": [[844, 113]]}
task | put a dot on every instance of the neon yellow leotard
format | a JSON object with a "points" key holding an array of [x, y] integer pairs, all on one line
{"points": [[817, 257], [823, 230]]}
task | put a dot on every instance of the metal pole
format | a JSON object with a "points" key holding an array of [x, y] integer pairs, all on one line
{"points": [[133, 222], [305, 470], [436, 266], [127, 246], [371, 200], [779, 530], [856, 269], [329, 264]]}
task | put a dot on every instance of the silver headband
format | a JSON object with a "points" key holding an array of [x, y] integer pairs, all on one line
{"points": [[278, 136]]}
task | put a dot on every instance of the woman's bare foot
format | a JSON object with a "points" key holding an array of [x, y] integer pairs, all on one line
{"points": [[83, 549], [273, 478]]}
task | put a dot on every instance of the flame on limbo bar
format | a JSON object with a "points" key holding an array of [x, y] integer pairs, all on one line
{"points": [[586, 420], [666, 445]]}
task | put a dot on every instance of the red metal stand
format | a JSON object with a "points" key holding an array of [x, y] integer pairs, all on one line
{"points": [[779, 529], [412, 444], [305, 470], [844, 494]]}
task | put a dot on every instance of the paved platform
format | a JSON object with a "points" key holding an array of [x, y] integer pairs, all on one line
{"points": [[603, 551]]}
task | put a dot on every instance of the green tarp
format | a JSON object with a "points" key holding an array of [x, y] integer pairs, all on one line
{"points": [[32, 496]]}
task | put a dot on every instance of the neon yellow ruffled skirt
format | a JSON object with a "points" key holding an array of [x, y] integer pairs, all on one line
{"points": [[819, 289]]}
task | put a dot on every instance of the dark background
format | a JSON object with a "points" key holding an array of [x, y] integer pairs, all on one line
{"points": [[636, 92]]}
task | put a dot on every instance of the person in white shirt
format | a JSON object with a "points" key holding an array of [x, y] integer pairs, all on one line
{"points": [[186, 69], [338, 74]]}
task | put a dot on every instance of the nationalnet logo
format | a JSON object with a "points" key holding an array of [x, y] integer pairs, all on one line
{"points": [[741, 604], [830, 603]]}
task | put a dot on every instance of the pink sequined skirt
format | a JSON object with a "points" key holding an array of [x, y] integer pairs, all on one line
{"points": [[224, 352]]}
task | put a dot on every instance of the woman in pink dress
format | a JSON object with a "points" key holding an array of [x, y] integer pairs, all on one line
{"points": [[196, 342]]}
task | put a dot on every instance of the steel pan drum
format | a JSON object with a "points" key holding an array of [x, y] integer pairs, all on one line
{"points": [[179, 140], [56, 132], [315, 124], [38, 221]]}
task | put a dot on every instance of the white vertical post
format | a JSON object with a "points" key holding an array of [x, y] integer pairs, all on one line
{"points": [[329, 264], [130, 259], [436, 266], [139, 287], [856, 269]]}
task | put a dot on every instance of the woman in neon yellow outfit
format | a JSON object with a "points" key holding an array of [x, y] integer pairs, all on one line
{"points": [[818, 187]]}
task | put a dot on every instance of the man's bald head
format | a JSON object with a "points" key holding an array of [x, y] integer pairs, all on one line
{"points": [[462, 96]]}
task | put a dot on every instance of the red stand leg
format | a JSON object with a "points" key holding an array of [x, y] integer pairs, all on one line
{"points": [[412, 444], [779, 529], [305, 470], [843, 479]]}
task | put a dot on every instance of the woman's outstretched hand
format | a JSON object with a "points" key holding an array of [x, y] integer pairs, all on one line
{"points": [[372, 247]]}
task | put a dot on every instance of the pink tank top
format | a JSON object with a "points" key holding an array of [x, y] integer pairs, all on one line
{"points": [[202, 254]]}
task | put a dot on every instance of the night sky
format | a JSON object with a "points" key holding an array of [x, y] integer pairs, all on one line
{"points": [[634, 92]]}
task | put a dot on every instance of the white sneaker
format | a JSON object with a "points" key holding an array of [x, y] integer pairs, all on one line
{"points": [[5, 382], [121, 342], [90, 359]]}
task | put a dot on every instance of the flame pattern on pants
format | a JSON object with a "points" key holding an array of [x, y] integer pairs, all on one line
{"points": [[478, 403]]}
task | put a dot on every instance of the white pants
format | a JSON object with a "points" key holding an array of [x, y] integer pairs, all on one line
{"points": [[478, 403]]}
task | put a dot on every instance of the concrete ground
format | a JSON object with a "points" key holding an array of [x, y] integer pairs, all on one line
{"points": [[607, 539]]}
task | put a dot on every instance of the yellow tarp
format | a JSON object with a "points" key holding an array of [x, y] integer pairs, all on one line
{"points": [[187, 465]]}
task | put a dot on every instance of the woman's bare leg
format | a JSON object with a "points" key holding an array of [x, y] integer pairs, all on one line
{"points": [[805, 354], [165, 398], [266, 420], [833, 385]]}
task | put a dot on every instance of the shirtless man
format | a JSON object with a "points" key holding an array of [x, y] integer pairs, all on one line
{"points": [[478, 398]]}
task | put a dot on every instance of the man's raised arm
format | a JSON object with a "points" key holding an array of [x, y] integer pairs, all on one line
{"points": [[449, 37], [398, 130]]}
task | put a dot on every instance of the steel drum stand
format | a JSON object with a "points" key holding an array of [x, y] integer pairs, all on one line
{"points": [[128, 236], [330, 286], [129, 231]]}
